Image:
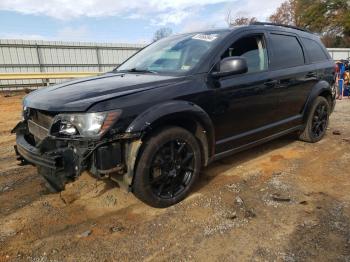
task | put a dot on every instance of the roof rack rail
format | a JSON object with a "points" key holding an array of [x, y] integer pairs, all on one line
{"points": [[283, 25]]}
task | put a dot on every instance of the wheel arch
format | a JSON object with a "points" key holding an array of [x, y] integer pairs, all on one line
{"points": [[323, 89], [178, 113]]}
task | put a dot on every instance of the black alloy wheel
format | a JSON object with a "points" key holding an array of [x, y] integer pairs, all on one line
{"points": [[317, 121], [172, 169], [320, 120], [168, 165]]}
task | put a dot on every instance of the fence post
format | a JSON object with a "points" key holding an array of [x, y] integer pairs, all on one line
{"points": [[98, 55], [38, 53], [45, 82]]}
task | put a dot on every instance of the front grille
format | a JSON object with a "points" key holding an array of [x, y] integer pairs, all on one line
{"points": [[39, 123], [37, 131], [41, 118]]}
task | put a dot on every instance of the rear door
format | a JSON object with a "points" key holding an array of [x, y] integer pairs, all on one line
{"points": [[294, 78], [319, 62]]}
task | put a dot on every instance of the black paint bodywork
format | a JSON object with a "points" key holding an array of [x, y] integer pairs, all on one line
{"points": [[226, 114]]}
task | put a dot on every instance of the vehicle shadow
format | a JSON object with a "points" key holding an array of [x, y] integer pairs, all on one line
{"points": [[220, 166]]}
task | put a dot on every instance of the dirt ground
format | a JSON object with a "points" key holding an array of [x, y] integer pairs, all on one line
{"points": [[282, 201]]}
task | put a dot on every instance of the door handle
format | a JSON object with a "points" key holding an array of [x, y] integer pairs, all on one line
{"points": [[271, 83]]}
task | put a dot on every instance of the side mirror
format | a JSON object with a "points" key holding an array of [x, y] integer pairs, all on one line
{"points": [[233, 65]]}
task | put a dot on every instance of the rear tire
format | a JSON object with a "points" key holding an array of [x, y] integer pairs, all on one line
{"points": [[317, 121], [168, 166]]}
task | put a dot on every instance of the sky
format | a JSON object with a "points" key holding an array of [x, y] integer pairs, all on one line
{"points": [[119, 21]]}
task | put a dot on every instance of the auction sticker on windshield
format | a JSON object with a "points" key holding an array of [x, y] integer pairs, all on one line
{"points": [[205, 37]]}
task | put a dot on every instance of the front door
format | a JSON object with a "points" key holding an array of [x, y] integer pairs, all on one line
{"points": [[246, 104]]}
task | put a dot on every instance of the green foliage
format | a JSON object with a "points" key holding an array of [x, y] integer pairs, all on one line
{"points": [[329, 18]]}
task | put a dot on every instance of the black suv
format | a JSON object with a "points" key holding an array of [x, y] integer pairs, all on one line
{"points": [[177, 105]]}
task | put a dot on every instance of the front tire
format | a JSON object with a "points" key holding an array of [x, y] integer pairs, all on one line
{"points": [[317, 121], [168, 166]]}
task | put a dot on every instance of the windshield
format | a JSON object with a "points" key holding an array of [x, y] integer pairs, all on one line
{"points": [[176, 54]]}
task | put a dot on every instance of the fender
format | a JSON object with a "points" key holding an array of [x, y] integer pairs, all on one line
{"points": [[174, 108], [319, 88]]}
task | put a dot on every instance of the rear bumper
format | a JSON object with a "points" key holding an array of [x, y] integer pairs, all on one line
{"points": [[27, 152]]}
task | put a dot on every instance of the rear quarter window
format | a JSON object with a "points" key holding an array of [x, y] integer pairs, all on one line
{"points": [[314, 50], [287, 51]]}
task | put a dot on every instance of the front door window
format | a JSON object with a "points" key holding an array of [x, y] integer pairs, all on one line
{"points": [[253, 49]]}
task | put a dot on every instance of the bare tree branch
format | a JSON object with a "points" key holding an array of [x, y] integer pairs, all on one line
{"points": [[238, 20]]}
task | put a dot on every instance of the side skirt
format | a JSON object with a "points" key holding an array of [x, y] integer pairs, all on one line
{"points": [[255, 143]]}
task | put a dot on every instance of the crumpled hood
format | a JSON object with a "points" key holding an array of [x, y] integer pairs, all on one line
{"points": [[79, 95]]}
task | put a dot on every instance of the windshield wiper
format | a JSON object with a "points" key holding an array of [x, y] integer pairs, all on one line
{"points": [[137, 70]]}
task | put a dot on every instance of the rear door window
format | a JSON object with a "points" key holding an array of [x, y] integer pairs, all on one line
{"points": [[287, 51], [314, 50]]}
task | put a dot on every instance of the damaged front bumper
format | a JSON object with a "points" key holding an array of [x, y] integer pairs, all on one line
{"points": [[113, 157], [26, 153]]}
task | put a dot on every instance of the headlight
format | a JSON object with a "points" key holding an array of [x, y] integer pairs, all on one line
{"points": [[85, 124]]}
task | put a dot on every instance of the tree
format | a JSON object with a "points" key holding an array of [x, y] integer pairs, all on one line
{"points": [[161, 33], [329, 18], [240, 20], [286, 14]]}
